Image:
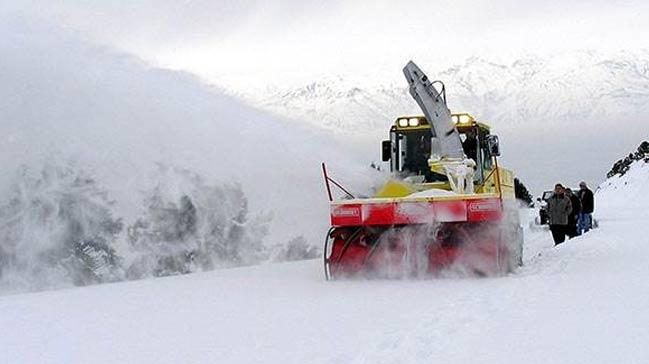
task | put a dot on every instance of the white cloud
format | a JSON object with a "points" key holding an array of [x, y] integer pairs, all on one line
{"points": [[255, 41]]}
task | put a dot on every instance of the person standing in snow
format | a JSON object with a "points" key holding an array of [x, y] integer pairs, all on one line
{"points": [[470, 145], [573, 218], [559, 208], [587, 207]]}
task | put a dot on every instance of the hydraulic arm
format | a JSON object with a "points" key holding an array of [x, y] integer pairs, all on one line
{"points": [[433, 104]]}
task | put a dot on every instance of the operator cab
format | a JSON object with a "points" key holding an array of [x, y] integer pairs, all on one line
{"points": [[411, 145]]}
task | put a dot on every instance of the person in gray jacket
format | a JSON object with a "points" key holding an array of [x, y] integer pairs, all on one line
{"points": [[559, 209]]}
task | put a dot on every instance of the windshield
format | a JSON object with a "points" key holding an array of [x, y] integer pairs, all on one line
{"points": [[416, 147]]}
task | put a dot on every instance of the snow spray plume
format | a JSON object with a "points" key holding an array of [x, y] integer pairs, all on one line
{"points": [[296, 249], [57, 229], [449, 250], [190, 226]]}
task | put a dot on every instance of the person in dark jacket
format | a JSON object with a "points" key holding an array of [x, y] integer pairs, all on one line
{"points": [[470, 145], [587, 207], [559, 208], [573, 218]]}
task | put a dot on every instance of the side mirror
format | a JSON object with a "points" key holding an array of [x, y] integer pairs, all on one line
{"points": [[493, 145], [386, 150]]}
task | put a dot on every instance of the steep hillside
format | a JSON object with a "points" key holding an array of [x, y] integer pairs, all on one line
{"points": [[628, 183]]}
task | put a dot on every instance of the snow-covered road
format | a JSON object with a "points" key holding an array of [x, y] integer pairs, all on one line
{"points": [[583, 302]]}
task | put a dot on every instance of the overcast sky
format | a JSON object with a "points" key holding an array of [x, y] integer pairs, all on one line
{"points": [[275, 41]]}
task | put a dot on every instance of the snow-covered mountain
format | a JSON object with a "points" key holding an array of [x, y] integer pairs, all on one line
{"points": [[583, 85]]}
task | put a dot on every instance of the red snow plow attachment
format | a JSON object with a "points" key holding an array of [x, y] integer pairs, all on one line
{"points": [[401, 238]]}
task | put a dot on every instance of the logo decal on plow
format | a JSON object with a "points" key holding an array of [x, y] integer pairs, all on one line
{"points": [[346, 211], [485, 205]]}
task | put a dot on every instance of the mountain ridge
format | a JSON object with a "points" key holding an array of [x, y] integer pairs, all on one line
{"points": [[583, 84]]}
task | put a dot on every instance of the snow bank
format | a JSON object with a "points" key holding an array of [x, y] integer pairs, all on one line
{"points": [[631, 189], [583, 302]]}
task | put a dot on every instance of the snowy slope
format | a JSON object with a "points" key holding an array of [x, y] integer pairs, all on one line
{"points": [[629, 190], [583, 302]]}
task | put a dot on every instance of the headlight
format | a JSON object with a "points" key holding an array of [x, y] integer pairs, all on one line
{"points": [[403, 122], [413, 122], [464, 119], [454, 118]]}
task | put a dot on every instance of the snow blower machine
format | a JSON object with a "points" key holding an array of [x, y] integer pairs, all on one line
{"points": [[448, 207]]}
